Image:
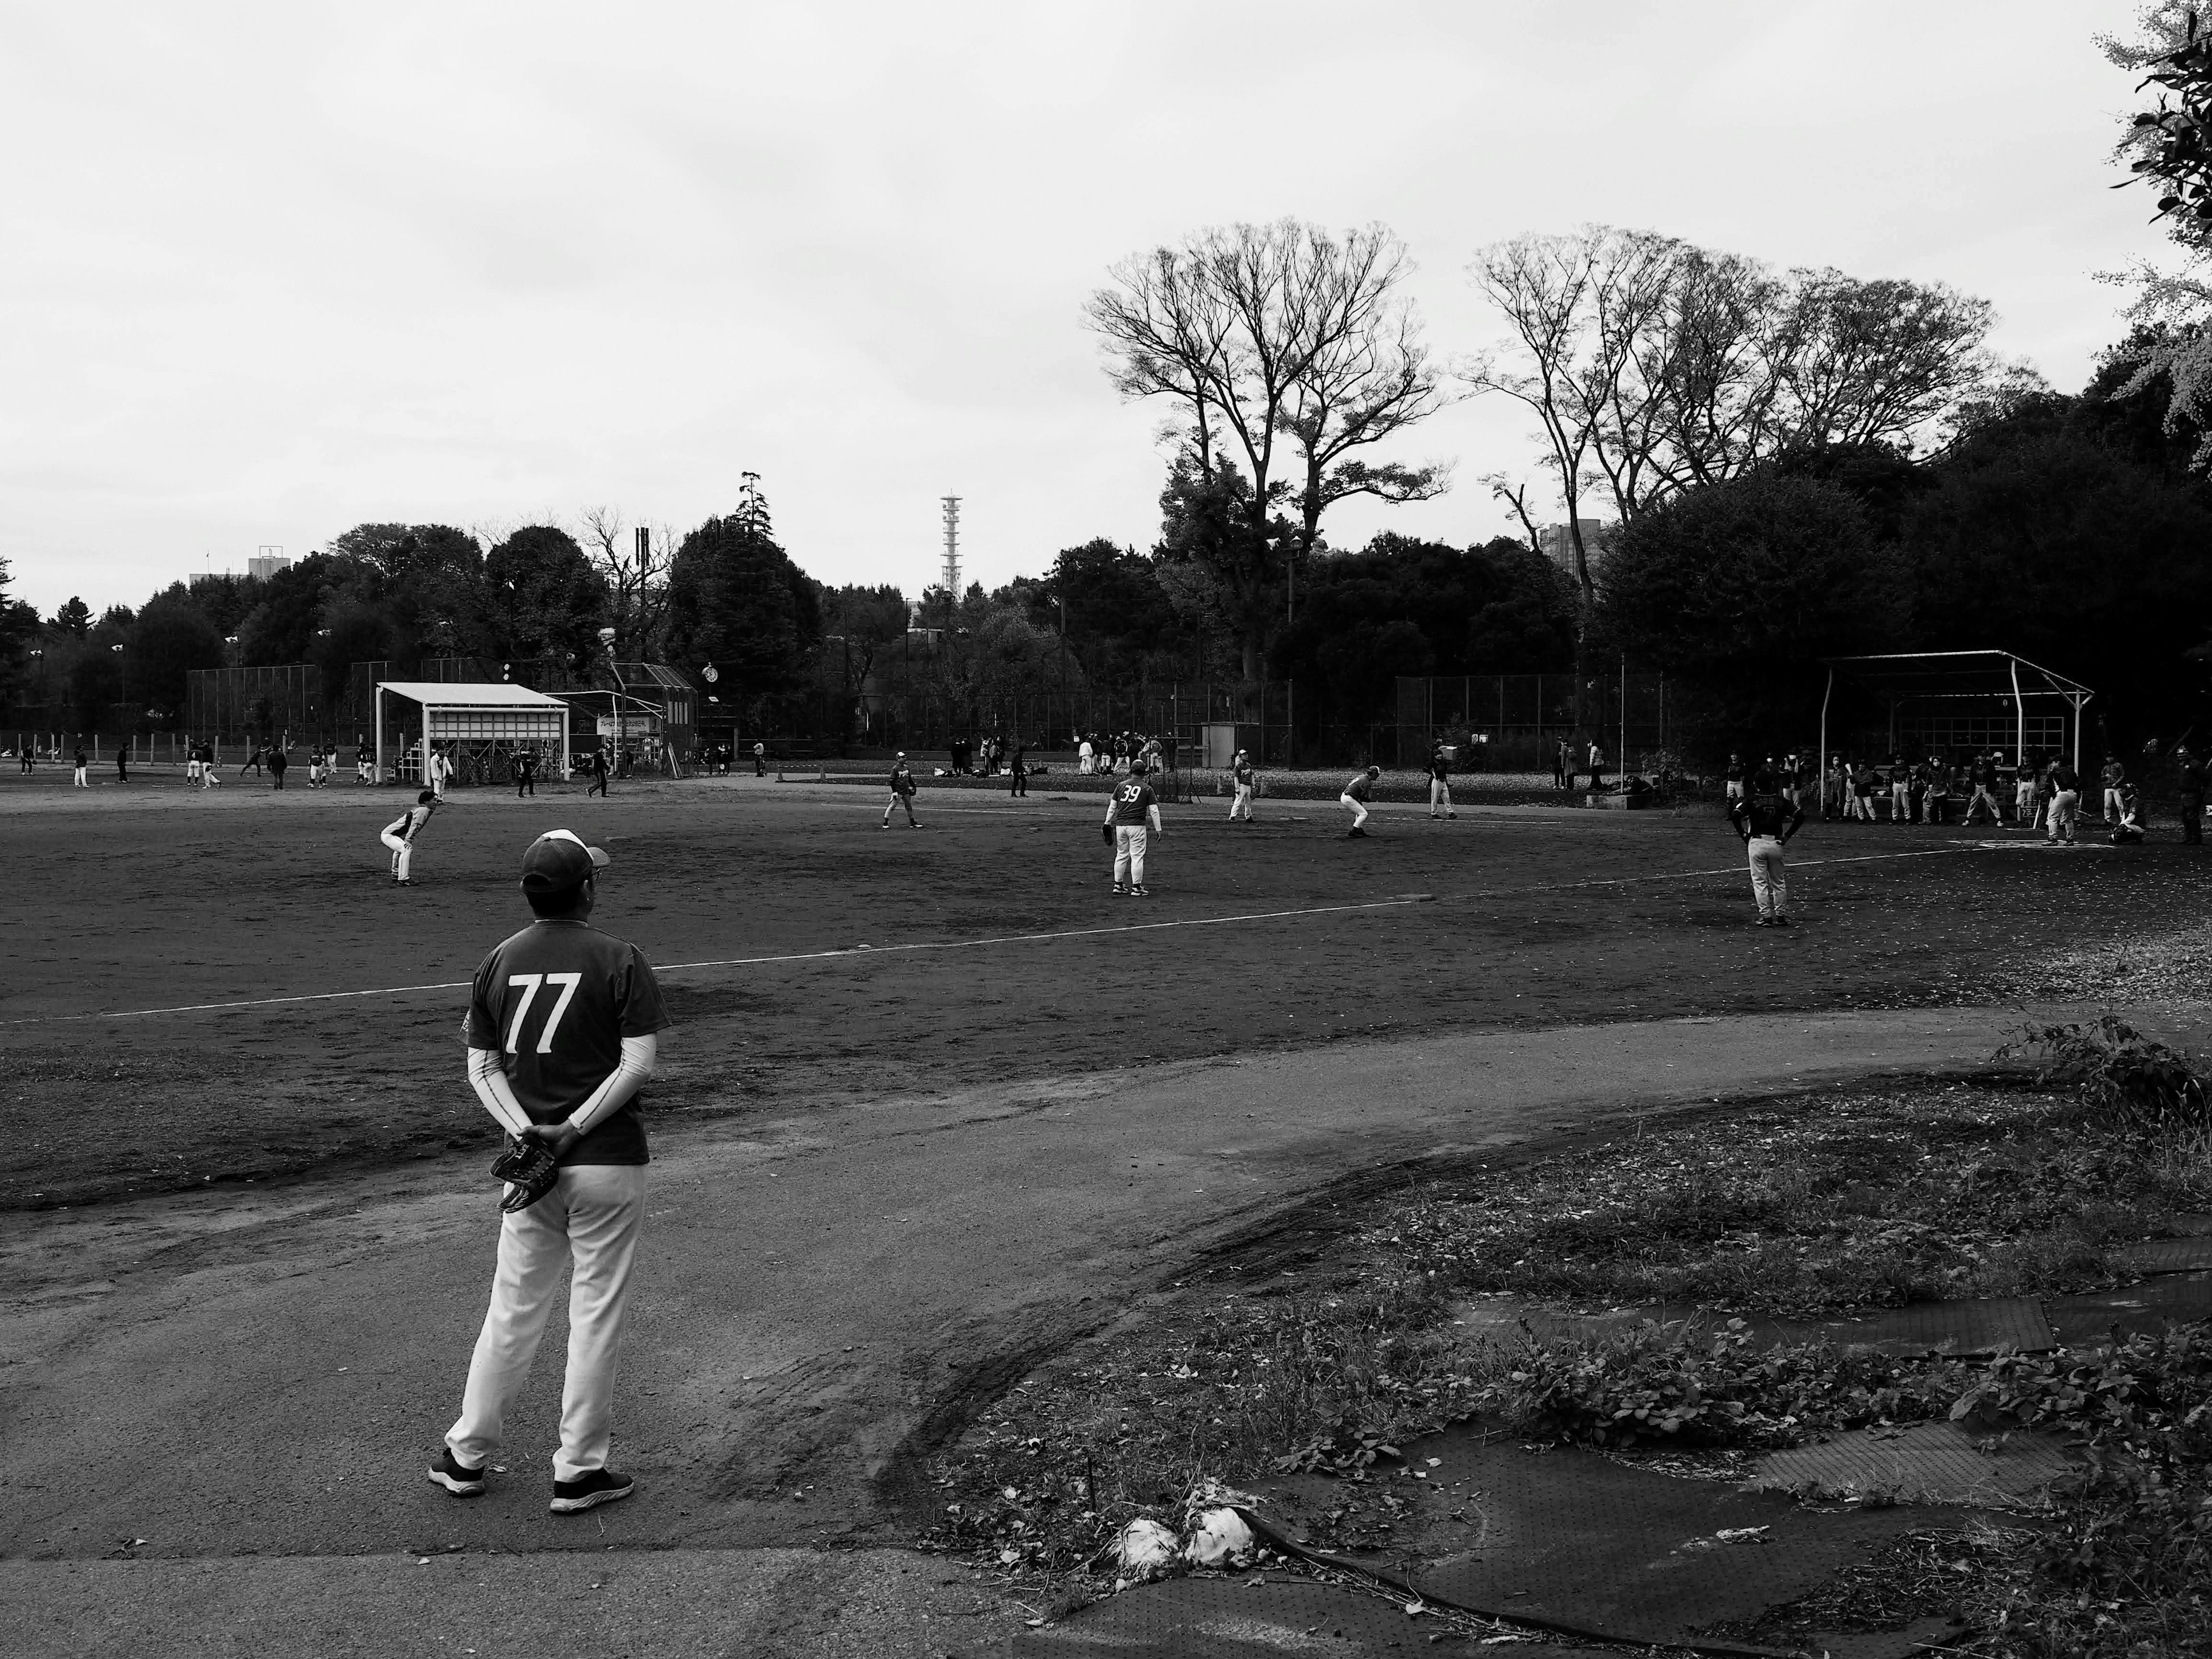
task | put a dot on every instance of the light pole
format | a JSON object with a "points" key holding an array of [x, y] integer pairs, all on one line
{"points": [[1067, 713], [38, 656]]}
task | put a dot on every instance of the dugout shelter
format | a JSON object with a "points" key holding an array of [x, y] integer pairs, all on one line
{"points": [[1970, 701], [482, 727]]}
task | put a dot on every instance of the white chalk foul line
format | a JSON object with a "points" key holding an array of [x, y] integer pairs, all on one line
{"points": [[995, 938]]}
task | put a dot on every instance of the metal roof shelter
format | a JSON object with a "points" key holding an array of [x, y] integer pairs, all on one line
{"points": [[465, 712], [1916, 677]]}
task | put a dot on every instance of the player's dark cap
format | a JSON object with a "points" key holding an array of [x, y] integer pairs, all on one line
{"points": [[558, 860], [1137, 768]]}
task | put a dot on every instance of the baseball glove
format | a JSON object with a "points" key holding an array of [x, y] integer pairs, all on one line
{"points": [[1106, 834], [529, 1169]]}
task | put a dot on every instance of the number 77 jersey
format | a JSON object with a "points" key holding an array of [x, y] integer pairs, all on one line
{"points": [[555, 1002]]}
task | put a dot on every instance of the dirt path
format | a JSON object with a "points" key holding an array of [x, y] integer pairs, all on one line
{"points": [[824, 1298]]}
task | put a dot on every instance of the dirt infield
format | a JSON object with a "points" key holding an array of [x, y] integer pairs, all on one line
{"points": [[857, 964]]}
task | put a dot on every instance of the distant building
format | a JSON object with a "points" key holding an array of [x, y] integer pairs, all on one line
{"points": [[1559, 544], [262, 566]]}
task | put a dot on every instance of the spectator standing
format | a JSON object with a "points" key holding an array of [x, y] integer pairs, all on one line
{"points": [[2189, 779], [2065, 803], [1086, 757], [1900, 791], [1562, 765], [1861, 780], [526, 773], [1597, 766], [80, 781], [2115, 778], [1020, 769], [598, 786], [760, 761], [123, 762]]}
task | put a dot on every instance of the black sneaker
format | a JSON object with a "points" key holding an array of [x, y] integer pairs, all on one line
{"points": [[586, 1491], [455, 1476], [1782, 921], [1140, 892], [1355, 834]]}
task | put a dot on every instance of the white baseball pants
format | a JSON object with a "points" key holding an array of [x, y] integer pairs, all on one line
{"points": [[1129, 855], [1241, 807], [2065, 805], [1770, 885], [1439, 795], [592, 1216], [1358, 809], [2112, 807], [403, 851]]}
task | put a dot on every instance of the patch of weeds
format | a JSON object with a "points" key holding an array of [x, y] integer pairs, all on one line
{"points": [[1966, 1575], [1846, 1200], [1231, 1390]]}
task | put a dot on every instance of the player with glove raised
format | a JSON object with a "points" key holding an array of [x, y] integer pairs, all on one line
{"points": [[561, 1034]]}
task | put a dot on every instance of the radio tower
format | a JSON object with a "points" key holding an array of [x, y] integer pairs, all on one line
{"points": [[952, 547]]}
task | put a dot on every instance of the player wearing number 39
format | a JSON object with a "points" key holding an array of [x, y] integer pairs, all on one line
{"points": [[1131, 812], [561, 1035]]}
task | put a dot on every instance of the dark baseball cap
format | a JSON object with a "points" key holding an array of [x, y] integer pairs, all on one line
{"points": [[558, 860]]}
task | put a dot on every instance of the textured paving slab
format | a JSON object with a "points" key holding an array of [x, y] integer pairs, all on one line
{"points": [[2157, 1302], [2165, 1256], [1603, 1548], [1924, 1463]]}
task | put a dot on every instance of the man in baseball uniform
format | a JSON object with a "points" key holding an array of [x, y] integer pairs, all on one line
{"points": [[1355, 797], [1131, 812], [399, 834], [563, 1031], [902, 788], [1240, 774], [1440, 783], [1766, 822]]}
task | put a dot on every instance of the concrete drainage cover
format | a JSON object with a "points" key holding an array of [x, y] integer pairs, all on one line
{"points": [[2165, 1256], [1927, 1463], [2167, 1299], [1572, 1539], [1230, 1618]]}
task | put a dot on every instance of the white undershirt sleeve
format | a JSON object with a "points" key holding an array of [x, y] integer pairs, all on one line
{"points": [[489, 1078], [639, 1056]]}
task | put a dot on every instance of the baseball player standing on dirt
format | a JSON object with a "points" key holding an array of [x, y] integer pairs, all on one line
{"points": [[902, 788], [1766, 821], [1131, 812], [562, 1032], [1240, 774]]}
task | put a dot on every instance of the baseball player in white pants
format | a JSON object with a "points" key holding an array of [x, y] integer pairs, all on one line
{"points": [[1355, 797], [1131, 810], [399, 836], [1240, 774], [561, 1034]]}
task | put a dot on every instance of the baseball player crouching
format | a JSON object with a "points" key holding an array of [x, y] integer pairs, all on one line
{"points": [[399, 834], [563, 1031], [1355, 797], [1132, 810]]}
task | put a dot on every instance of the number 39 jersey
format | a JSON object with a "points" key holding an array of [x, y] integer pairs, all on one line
{"points": [[555, 1002]]}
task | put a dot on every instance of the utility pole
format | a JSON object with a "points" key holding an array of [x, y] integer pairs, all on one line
{"points": [[951, 504]]}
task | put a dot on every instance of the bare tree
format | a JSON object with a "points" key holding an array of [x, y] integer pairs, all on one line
{"points": [[1516, 495], [633, 561], [1277, 336]]}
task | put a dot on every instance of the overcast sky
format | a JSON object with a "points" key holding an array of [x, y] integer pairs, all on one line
{"points": [[272, 270]]}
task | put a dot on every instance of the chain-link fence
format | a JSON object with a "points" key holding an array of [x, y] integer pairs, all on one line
{"points": [[1517, 723]]}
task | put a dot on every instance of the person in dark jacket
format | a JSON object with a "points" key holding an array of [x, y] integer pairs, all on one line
{"points": [[1766, 822]]}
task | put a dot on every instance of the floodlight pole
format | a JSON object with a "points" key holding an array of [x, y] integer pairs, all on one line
{"points": [[1820, 760], [2020, 715]]}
